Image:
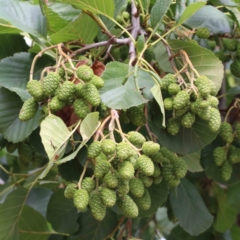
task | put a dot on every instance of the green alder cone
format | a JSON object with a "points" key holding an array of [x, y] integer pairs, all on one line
{"points": [[11, 147], [125, 15], [157, 180], [204, 113], [123, 186], [124, 118], [237, 130], [168, 104], [66, 91], [222, 56], [78, 90], [102, 157], [157, 158], [157, 171], [91, 94], [127, 206], [88, 184], [202, 103], [167, 80], [136, 187], [147, 181], [226, 171], [98, 208], [55, 104], [219, 155], [226, 132], [180, 168], [215, 120], [81, 199], [81, 108], [213, 101], [182, 111], [203, 32], [173, 89], [50, 83], [136, 138], [84, 58], [133, 161], [136, 115], [25, 153], [144, 202], [108, 196], [126, 170], [123, 150], [234, 155], [94, 149], [174, 182], [173, 126], [28, 110], [70, 190], [35, 89], [146, 165], [85, 73], [97, 81], [203, 84], [108, 146], [188, 120], [150, 148], [230, 44], [111, 180], [168, 154], [61, 72], [168, 172], [181, 100], [101, 168], [235, 68]]}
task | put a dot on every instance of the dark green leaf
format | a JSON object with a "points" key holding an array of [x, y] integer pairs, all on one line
{"points": [[217, 21], [158, 11], [190, 209], [120, 89], [10, 213], [24, 16], [32, 225], [91, 229], [193, 162], [159, 194], [236, 14], [235, 232], [61, 213], [224, 2], [11, 127], [7, 28]]}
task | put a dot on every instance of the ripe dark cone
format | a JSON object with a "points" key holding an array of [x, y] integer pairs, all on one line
{"points": [[91, 94], [66, 91], [150, 148], [111, 180], [81, 108], [136, 115], [28, 110], [55, 104], [108, 146], [219, 155], [136, 187], [127, 206], [167, 80], [35, 89], [136, 138], [97, 81], [94, 149], [126, 170], [70, 190], [108, 196], [144, 202], [88, 184], [81, 199], [51, 83], [98, 208], [85, 73], [146, 165]]}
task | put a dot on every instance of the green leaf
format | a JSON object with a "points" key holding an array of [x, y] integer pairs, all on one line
{"points": [[190, 209], [91, 229], [159, 194], [100, 7], [83, 28], [11, 127], [61, 213], [88, 127], [225, 3], [24, 16], [10, 213], [217, 21], [7, 28], [32, 225], [235, 232], [190, 11], [193, 162], [10, 44], [15, 70], [120, 89], [236, 14], [203, 60], [162, 58], [158, 11], [140, 43]]}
